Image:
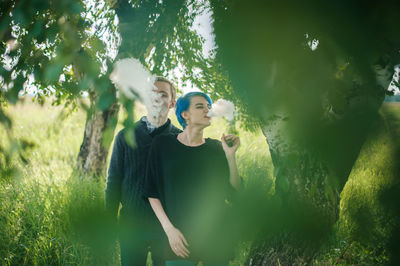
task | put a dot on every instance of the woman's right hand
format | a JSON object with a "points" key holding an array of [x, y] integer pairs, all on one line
{"points": [[177, 242]]}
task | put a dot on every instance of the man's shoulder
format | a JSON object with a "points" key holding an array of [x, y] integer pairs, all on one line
{"points": [[138, 125], [120, 135], [175, 130]]}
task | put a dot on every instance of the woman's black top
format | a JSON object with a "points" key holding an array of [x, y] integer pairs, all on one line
{"points": [[193, 186]]}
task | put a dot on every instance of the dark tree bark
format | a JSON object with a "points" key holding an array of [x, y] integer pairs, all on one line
{"points": [[315, 106], [92, 156], [309, 174], [302, 177]]}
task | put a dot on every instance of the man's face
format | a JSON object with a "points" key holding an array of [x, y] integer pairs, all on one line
{"points": [[164, 90]]}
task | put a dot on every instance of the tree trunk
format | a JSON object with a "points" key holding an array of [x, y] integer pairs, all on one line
{"points": [[312, 171], [329, 107], [303, 187], [92, 157]]}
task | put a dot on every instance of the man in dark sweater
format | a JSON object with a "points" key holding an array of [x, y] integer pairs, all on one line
{"points": [[139, 231]]}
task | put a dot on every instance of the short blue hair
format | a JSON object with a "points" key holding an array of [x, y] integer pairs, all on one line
{"points": [[183, 103]]}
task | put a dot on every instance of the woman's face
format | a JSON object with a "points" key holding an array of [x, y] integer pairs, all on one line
{"points": [[196, 115]]}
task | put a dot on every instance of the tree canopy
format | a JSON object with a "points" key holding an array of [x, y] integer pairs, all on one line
{"points": [[64, 50], [314, 75]]}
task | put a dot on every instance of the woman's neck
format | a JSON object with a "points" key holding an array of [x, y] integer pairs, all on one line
{"points": [[191, 136]]}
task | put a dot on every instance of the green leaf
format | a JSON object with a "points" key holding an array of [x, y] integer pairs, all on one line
{"points": [[129, 136], [40, 5], [283, 183], [53, 72], [4, 119], [109, 132], [12, 94], [52, 31], [105, 101], [20, 17], [75, 8], [36, 31]]}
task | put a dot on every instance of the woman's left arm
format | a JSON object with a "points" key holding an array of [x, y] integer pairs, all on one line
{"points": [[230, 153]]}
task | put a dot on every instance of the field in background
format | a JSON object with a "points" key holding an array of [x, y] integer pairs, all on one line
{"points": [[46, 213]]}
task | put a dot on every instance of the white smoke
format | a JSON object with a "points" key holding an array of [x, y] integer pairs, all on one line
{"points": [[135, 82], [222, 108]]}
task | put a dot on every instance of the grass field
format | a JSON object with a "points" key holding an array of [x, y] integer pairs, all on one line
{"points": [[38, 214], [45, 212]]}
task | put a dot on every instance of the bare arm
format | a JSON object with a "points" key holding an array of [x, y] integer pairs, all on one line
{"points": [[234, 177], [176, 239], [230, 152]]}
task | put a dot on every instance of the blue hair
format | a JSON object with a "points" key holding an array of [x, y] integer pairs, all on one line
{"points": [[183, 103]]}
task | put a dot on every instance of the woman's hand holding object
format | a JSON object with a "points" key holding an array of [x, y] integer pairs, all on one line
{"points": [[230, 143]]}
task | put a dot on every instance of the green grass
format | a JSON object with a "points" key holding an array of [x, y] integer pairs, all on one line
{"points": [[364, 225], [38, 205], [49, 215]]}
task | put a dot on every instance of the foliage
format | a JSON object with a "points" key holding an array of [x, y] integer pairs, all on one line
{"points": [[41, 206], [40, 212], [64, 49], [11, 148], [366, 225], [38, 209], [353, 253], [43, 44], [50, 215], [291, 58], [309, 72], [362, 214]]}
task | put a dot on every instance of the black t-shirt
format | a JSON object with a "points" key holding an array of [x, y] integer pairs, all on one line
{"points": [[193, 186]]}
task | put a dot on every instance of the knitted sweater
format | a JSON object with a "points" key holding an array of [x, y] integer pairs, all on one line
{"points": [[127, 171]]}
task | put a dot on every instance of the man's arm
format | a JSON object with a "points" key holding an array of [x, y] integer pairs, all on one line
{"points": [[115, 176]]}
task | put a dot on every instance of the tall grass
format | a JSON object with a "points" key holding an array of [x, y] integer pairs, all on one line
{"points": [[50, 215], [38, 214], [364, 227]]}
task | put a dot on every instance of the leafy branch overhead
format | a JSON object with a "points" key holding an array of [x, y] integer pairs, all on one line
{"points": [[65, 49]]}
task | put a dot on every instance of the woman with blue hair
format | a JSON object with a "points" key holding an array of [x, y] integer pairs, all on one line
{"points": [[189, 181]]}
